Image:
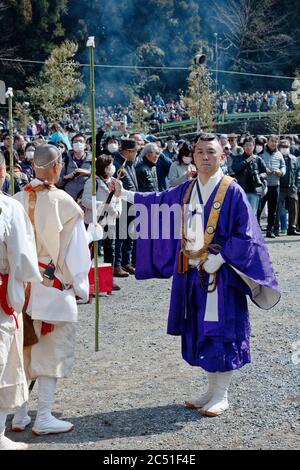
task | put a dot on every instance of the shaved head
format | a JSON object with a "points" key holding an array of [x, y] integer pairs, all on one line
{"points": [[45, 155], [48, 163]]}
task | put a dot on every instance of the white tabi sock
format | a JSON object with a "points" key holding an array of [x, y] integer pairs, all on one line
{"points": [[199, 402], [5, 443], [21, 418], [219, 401], [45, 422]]}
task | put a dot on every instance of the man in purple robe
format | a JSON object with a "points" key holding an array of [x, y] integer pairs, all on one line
{"points": [[213, 322]]}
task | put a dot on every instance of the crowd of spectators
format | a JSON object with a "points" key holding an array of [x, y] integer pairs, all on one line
{"points": [[157, 110], [266, 167]]}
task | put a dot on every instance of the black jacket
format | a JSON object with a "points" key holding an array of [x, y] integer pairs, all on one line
{"points": [[244, 171], [147, 176], [129, 180], [291, 179]]}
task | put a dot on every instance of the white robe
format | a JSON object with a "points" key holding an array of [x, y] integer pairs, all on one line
{"points": [[18, 259], [53, 355]]}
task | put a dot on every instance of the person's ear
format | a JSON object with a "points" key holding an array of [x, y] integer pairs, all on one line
{"points": [[223, 156], [56, 168]]}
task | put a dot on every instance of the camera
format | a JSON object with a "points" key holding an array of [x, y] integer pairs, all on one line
{"points": [[256, 177]]}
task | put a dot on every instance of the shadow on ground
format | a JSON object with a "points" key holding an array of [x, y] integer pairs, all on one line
{"points": [[116, 424]]}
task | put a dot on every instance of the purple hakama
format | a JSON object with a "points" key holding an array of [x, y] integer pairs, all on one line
{"points": [[223, 345]]}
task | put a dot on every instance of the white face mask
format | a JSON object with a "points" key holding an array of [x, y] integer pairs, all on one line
{"points": [[285, 151], [259, 148], [113, 148], [187, 160], [111, 169], [78, 146], [29, 155]]}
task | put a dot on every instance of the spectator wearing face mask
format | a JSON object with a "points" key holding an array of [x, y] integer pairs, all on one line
{"points": [[26, 163], [104, 172], [250, 170], [259, 146], [289, 186], [276, 168], [77, 168], [183, 168], [99, 137], [111, 146]]}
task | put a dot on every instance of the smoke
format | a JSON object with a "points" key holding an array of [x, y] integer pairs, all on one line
{"points": [[135, 32]]}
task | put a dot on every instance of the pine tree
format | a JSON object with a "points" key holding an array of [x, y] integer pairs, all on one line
{"points": [[58, 83], [200, 97]]}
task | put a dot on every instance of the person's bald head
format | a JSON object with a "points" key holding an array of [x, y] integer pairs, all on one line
{"points": [[46, 155], [48, 162]]}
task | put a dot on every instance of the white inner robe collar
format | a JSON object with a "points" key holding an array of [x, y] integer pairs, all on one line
{"points": [[195, 235]]}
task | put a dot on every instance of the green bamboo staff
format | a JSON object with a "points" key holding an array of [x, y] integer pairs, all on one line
{"points": [[9, 95], [91, 45]]}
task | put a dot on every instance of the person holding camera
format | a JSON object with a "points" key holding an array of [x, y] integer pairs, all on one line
{"points": [[77, 168], [250, 170]]}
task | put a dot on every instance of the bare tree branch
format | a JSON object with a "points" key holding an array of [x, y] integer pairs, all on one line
{"points": [[252, 32]]}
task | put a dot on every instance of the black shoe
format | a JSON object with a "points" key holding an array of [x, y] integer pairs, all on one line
{"points": [[270, 235], [276, 233], [293, 232], [116, 287]]}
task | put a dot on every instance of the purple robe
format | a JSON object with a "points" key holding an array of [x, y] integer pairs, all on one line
{"points": [[213, 345]]}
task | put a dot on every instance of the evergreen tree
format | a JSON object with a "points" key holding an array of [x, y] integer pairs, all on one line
{"points": [[200, 97], [58, 83]]}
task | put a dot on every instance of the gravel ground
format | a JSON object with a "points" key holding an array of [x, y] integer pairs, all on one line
{"points": [[130, 394]]}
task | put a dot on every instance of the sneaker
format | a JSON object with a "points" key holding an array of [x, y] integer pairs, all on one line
{"points": [[270, 235], [293, 232]]}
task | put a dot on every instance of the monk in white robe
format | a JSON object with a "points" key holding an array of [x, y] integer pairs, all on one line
{"points": [[18, 265], [62, 248]]}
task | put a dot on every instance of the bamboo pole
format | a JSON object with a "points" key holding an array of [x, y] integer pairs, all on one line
{"points": [[91, 46], [9, 96]]}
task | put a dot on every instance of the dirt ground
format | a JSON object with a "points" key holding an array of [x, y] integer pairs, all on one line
{"points": [[129, 395]]}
